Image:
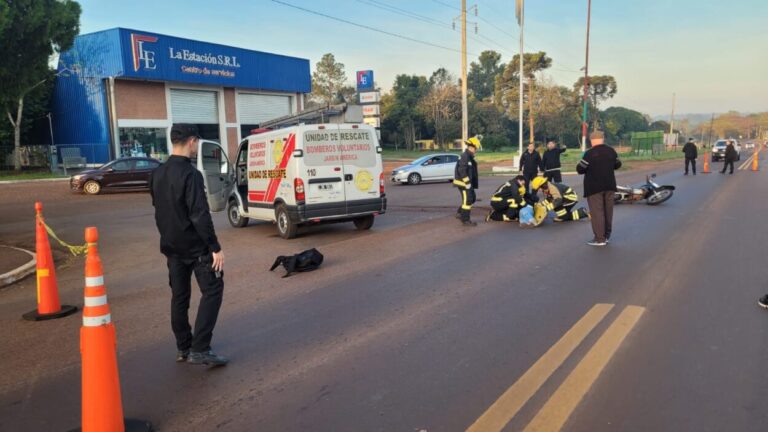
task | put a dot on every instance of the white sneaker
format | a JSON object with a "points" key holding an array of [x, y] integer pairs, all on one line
{"points": [[596, 243]]}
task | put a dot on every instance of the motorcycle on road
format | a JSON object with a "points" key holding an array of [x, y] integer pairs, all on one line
{"points": [[652, 192]]}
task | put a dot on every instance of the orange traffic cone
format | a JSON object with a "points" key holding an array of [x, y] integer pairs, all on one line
{"points": [[706, 164], [754, 161], [48, 306], [102, 405]]}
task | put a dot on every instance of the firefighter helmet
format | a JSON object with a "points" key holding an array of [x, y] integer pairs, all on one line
{"points": [[538, 182]]}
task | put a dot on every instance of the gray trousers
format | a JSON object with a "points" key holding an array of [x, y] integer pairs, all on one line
{"points": [[601, 209]]}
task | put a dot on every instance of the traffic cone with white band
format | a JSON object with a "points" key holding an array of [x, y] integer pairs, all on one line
{"points": [[102, 406], [48, 305], [706, 163]]}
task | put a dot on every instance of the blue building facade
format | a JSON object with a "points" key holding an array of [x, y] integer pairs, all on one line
{"points": [[118, 92]]}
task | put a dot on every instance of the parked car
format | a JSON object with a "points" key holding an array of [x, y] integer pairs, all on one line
{"points": [[718, 150], [121, 174], [433, 167]]}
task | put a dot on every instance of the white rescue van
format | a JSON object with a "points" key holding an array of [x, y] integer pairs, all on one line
{"points": [[299, 175]]}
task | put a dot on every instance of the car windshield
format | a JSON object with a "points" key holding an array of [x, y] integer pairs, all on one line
{"points": [[721, 144], [421, 160]]}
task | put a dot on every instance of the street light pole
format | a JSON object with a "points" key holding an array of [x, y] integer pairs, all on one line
{"points": [[586, 82], [520, 12], [464, 109]]}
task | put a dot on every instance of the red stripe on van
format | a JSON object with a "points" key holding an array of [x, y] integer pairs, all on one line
{"points": [[256, 195], [287, 154]]}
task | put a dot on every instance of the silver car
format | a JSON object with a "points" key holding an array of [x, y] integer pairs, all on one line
{"points": [[433, 167]]}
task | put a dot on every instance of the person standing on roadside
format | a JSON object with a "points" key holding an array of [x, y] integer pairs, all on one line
{"points": [[465, 179], [551, 162], [730, 157], [189, 242], [598, 165], [530, 163], [691, 153]]}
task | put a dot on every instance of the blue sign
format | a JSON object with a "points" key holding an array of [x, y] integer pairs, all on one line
{"points": [[165, 58], [365, 80]]}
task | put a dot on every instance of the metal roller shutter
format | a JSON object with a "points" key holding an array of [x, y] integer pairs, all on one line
{"points": [[256, 108], [194, 106]]}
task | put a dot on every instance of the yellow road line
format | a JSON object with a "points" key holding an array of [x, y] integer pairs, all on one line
{"points": [[561, 404], [502, 411]]}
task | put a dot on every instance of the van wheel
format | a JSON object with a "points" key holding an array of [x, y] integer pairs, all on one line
{"points": [[285, 227], [92, 187], [364, 223], [233, 215], [414, 179]]}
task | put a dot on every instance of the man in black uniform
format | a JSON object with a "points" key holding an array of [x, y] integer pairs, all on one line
{"points": [[551, 162], [508, 199], [530, 162], [465, 179], [189, 242], [691, 153], [730, 157]]}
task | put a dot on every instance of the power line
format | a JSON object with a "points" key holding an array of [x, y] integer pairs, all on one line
{"points": [[446, 5], [405, 12], [366, 27]]}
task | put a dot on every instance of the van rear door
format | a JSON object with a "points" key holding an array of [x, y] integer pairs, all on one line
{"points": [[323, 170], [362, 163], [212, 162]]}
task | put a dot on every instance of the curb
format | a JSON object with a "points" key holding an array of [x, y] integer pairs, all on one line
{"points": [[20, 272], [2, 182]]}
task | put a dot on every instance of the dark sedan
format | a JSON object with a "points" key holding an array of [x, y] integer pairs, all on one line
{"points": [[121, 174]]}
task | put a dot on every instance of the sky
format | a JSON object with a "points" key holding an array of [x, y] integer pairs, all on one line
{"points": [[711, 53]]}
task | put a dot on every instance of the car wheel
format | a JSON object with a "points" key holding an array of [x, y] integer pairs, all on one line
{"points": [[233, 215], [92, 187], [414, 179], [363, 223], [285, 227]]}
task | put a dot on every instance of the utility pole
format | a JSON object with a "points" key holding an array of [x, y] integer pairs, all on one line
{"points": [[672, 120], [520, 13], [711, 124], [464, 109], [586, 82]]}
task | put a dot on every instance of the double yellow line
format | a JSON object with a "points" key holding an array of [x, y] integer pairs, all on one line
{"points": [[553, 415]]}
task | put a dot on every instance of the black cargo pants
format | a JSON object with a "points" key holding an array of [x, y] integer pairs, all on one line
{"points": [[211, 288]]}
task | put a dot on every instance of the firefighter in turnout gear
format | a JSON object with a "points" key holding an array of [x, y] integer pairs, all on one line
{"points": [[508, 199], [465, 179], [560, 199]]}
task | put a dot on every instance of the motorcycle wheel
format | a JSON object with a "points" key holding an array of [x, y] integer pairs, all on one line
{"points": [[659, 197]]}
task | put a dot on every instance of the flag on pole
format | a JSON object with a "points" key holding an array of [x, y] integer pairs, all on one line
{"points": [[519, 11]]}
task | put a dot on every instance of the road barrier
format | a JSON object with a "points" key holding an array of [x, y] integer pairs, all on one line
{"points": [[48, 304], [102, 407]]}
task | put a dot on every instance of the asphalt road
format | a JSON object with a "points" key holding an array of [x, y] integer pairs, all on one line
{"points": [[421, 324]]}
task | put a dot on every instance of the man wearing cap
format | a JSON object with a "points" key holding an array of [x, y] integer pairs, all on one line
{"points": [[465, 179], [189, 242]]}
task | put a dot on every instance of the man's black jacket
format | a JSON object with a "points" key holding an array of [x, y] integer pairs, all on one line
{"points": [[730, 153], [466, 171], [530, 162], [690, 150], [181, 210], [551, 159]]}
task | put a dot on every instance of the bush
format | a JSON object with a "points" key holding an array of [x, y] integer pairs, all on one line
{"points": [[495, 143]]}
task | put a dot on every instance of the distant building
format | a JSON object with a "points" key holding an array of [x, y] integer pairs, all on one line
{"points": [[120, 90]]}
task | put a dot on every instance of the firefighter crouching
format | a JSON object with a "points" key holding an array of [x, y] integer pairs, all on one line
{"points": [[508, 200], [465, 179], [560, 199]]}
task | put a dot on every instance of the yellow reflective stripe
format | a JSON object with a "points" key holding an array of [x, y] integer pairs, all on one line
{"points": [[496, 198], [465, 179], [459, 183], [575, 215], [506, 218], [561, 212], [512, 204], [466, 207], [572, 197]]}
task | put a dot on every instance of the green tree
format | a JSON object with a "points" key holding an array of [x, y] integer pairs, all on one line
{"points": [[402, 118], [600, 88], [328, 81], [659, 125], [507, 83], [481, 78], [31, 31], [442, 105], [619, 121]]}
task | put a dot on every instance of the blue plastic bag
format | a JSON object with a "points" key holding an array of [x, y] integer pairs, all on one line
{"points": [[526, 216]]}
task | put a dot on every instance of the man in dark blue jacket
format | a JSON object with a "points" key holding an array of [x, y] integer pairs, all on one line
{"points": [[465, 179], [551, 162], [530, 163], [598, 165]]}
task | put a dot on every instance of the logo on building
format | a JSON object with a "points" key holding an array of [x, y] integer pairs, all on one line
{"points": [[142, 58], [365, 80]]}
